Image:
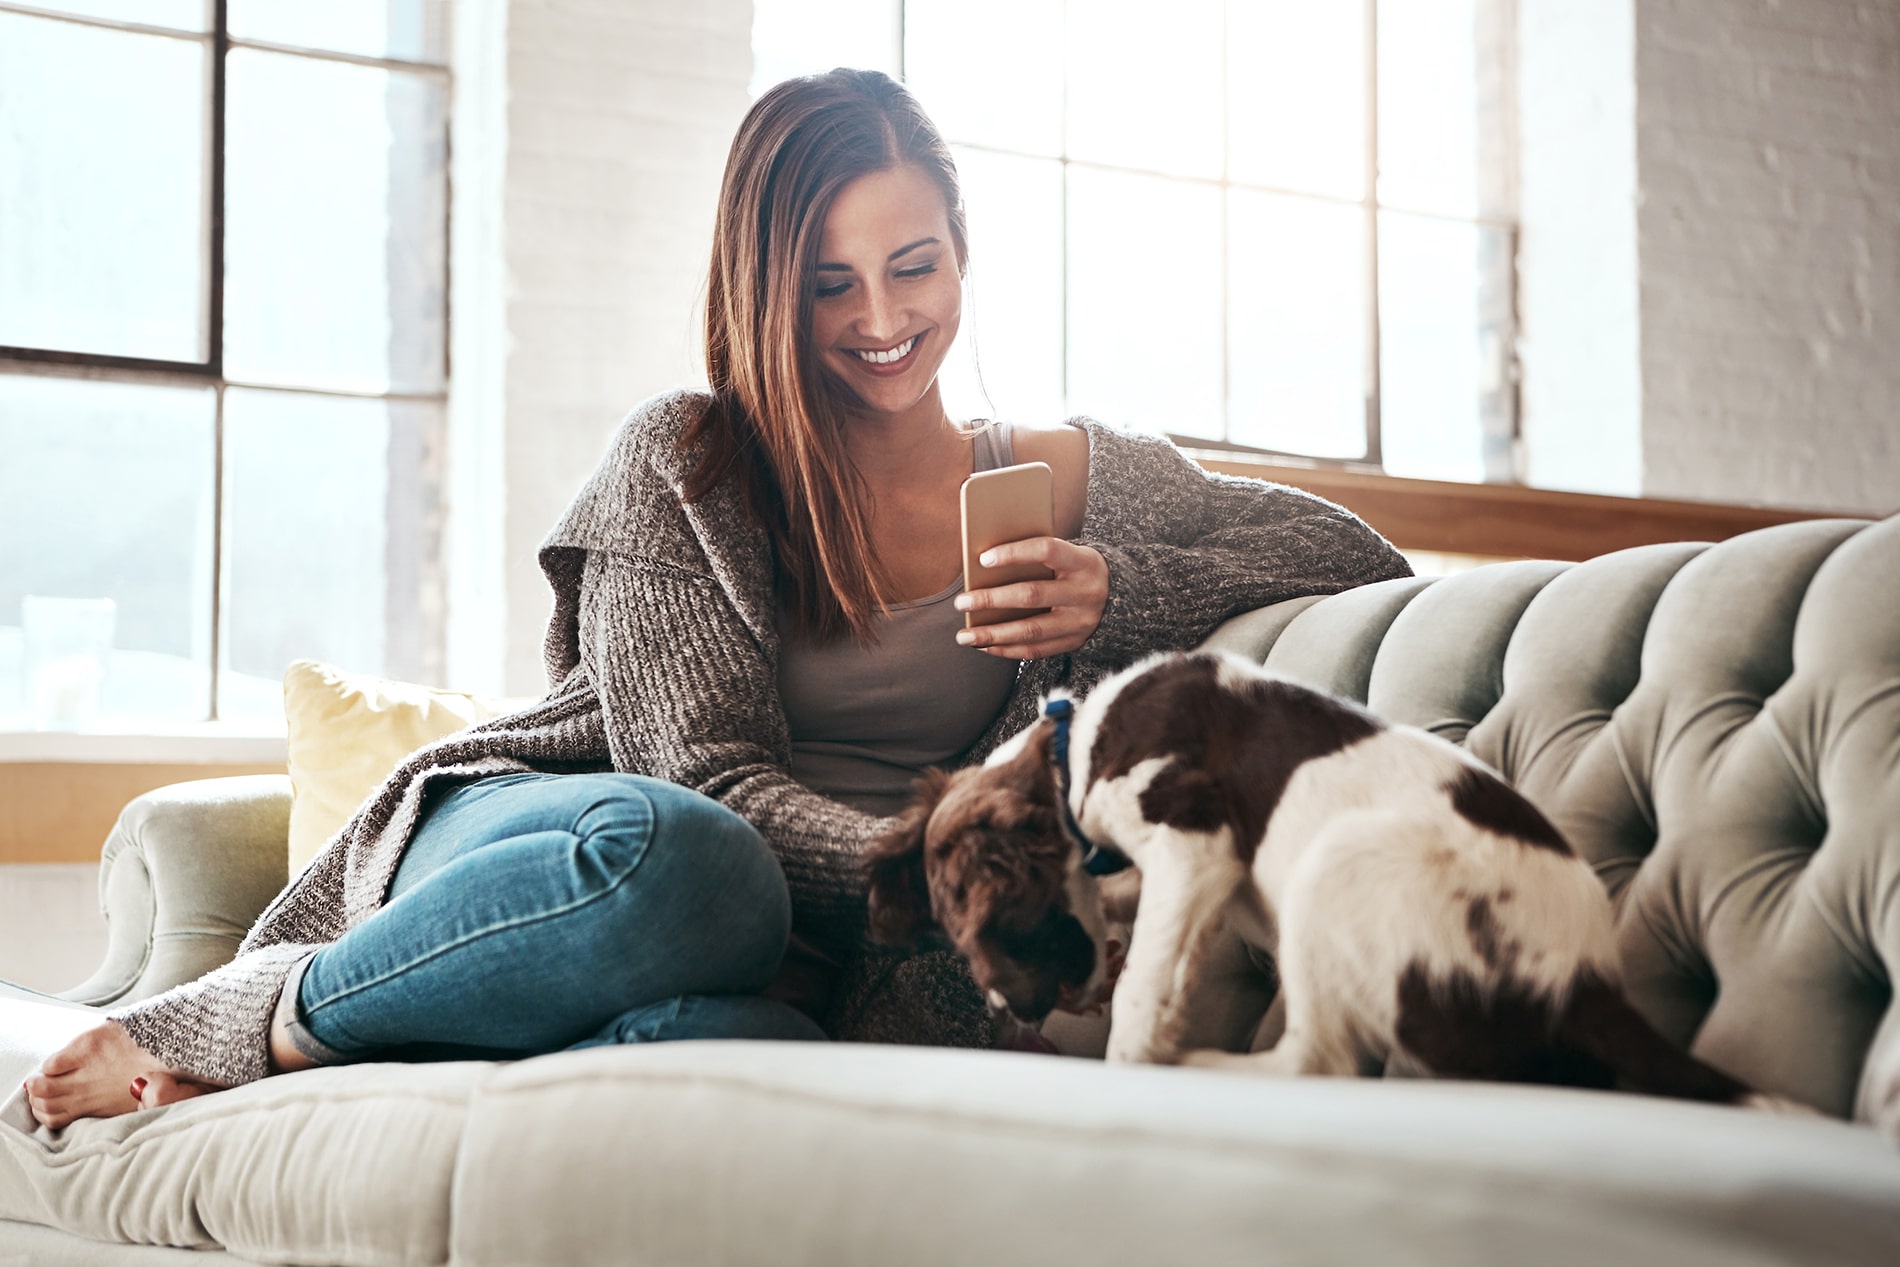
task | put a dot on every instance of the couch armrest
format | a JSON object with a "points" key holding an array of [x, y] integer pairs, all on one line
{"points": [[185, 873]]}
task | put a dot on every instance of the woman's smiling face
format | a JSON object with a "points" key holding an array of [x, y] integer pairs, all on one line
{"points": [[888, 291]]}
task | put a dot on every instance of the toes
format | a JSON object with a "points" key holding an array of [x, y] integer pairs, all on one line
{"points": [[162, 1088], [65, 1060], [73, 1055], [52, 1114]]}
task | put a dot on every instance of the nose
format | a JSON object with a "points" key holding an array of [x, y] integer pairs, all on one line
{"points": [[882, 317]]}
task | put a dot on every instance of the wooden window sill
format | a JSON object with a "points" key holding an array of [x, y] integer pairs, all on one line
{"points": [[1508, 521]]}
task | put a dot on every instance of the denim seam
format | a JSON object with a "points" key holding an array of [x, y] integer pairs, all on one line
{"points": [[492, 929]]}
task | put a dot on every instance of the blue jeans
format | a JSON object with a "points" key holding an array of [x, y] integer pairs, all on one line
{"points": [[537, 912]]}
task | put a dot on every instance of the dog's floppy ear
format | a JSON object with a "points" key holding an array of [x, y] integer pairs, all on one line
{"points": [[894, 868]]}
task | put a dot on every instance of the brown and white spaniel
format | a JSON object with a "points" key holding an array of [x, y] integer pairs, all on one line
{"points": [[1417, 908]]}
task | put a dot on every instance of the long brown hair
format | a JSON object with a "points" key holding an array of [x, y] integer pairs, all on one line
{"points": [[777, 419]]}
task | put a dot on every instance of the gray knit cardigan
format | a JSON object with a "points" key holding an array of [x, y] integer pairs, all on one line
{"points": [[663, 655]]}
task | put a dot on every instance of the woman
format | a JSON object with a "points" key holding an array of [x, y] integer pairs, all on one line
{"points": [[756, 643]]}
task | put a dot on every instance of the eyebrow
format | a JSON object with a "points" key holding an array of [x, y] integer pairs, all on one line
{"points": [[892, 258]]}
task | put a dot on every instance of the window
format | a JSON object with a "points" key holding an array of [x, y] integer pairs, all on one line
{"points": [[1261, 224], [223, 356]]}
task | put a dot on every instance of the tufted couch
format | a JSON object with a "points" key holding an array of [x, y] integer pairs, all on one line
{"points": [[1716, 728]]}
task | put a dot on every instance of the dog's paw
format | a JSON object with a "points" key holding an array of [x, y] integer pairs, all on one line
{"points": [[1777, 1106], [1141, 1054], [1212, 1058]]}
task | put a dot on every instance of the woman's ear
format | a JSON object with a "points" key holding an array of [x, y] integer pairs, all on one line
{"points": [[899, 890]]}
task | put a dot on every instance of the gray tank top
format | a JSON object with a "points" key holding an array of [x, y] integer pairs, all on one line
{"points": [[866, 721]]}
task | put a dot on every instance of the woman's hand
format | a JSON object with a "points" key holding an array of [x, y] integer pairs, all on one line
{"points": [[103, 1073], [1075, 597]]}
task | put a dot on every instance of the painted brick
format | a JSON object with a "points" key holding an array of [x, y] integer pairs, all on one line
{"points": [[1710, 254], [1768, 141], [615, 120]]}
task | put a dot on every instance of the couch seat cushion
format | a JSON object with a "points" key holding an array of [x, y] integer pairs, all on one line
{"points": [[692, 1153], [336, 1166], [737, 1153]]}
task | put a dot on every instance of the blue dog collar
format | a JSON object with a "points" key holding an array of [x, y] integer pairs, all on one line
{"points": [[1096, 860]]}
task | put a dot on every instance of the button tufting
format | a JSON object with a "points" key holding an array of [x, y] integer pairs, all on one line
{"points": [[1717, 729]]}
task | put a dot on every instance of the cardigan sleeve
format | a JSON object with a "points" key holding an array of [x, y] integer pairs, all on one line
{"points": [[1187, 548], [689, 696], [218, 1027]]}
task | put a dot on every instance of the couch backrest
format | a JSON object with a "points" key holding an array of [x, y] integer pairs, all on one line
{"points": [[1717, 730]]}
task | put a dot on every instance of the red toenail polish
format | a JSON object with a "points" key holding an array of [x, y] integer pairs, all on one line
{"points": [[138, 1088]]}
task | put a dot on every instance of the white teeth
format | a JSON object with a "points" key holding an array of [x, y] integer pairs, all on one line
{"points": [[897, 353]]}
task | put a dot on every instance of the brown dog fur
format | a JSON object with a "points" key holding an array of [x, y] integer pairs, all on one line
{"points": [[994, 866]]}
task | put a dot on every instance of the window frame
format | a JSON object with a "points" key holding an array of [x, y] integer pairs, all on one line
{"points": [[209, 372], [1371, 207]]}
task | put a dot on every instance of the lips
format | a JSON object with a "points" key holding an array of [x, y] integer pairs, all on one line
{"points": [[887, 362], [889, 356]]}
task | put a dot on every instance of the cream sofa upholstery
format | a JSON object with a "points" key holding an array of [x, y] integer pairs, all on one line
{"points": [[1716, 728]]}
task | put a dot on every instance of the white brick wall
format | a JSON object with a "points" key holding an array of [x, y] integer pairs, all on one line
{"points": [[1768, 146], [599, 129]]}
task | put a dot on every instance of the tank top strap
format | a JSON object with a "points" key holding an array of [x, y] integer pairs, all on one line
{"points": [[995, 446]]}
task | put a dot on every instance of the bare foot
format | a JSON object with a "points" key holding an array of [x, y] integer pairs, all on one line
{"points": [[103, 1073], [160, 1089]]}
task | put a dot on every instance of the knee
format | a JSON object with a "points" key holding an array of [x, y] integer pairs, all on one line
{"points": [[741, 885], [721, 881]]}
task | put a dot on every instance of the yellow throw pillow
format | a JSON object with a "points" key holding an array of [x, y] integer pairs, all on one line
{"points": [[346, 731]]}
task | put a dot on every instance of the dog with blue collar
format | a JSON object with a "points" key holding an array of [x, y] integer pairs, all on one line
{"points": [[1415, 907]]}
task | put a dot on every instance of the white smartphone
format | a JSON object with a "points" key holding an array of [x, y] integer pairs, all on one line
{"points": [[1012, 503]]}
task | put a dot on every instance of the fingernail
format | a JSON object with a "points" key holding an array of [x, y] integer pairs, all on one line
{"points": [[988, 559], [965, 638], [138, 1088], [962, 603]]}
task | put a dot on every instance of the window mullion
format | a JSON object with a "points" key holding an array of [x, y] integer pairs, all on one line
{"points": [[1374, 438], [214, 253], [214, 310], [1226, 239], [1062, 161]]}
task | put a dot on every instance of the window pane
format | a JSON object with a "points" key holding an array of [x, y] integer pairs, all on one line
{"points": [[1296, 300], [1145, 301], [954, 61], [1012, 313], [336, 195], [1296, 91], [796, 37], [106, 493], [409, 30], [1444, 310], [1145, 85], [182, 15], [1443, 98], [102, 190], [331, 540]]}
